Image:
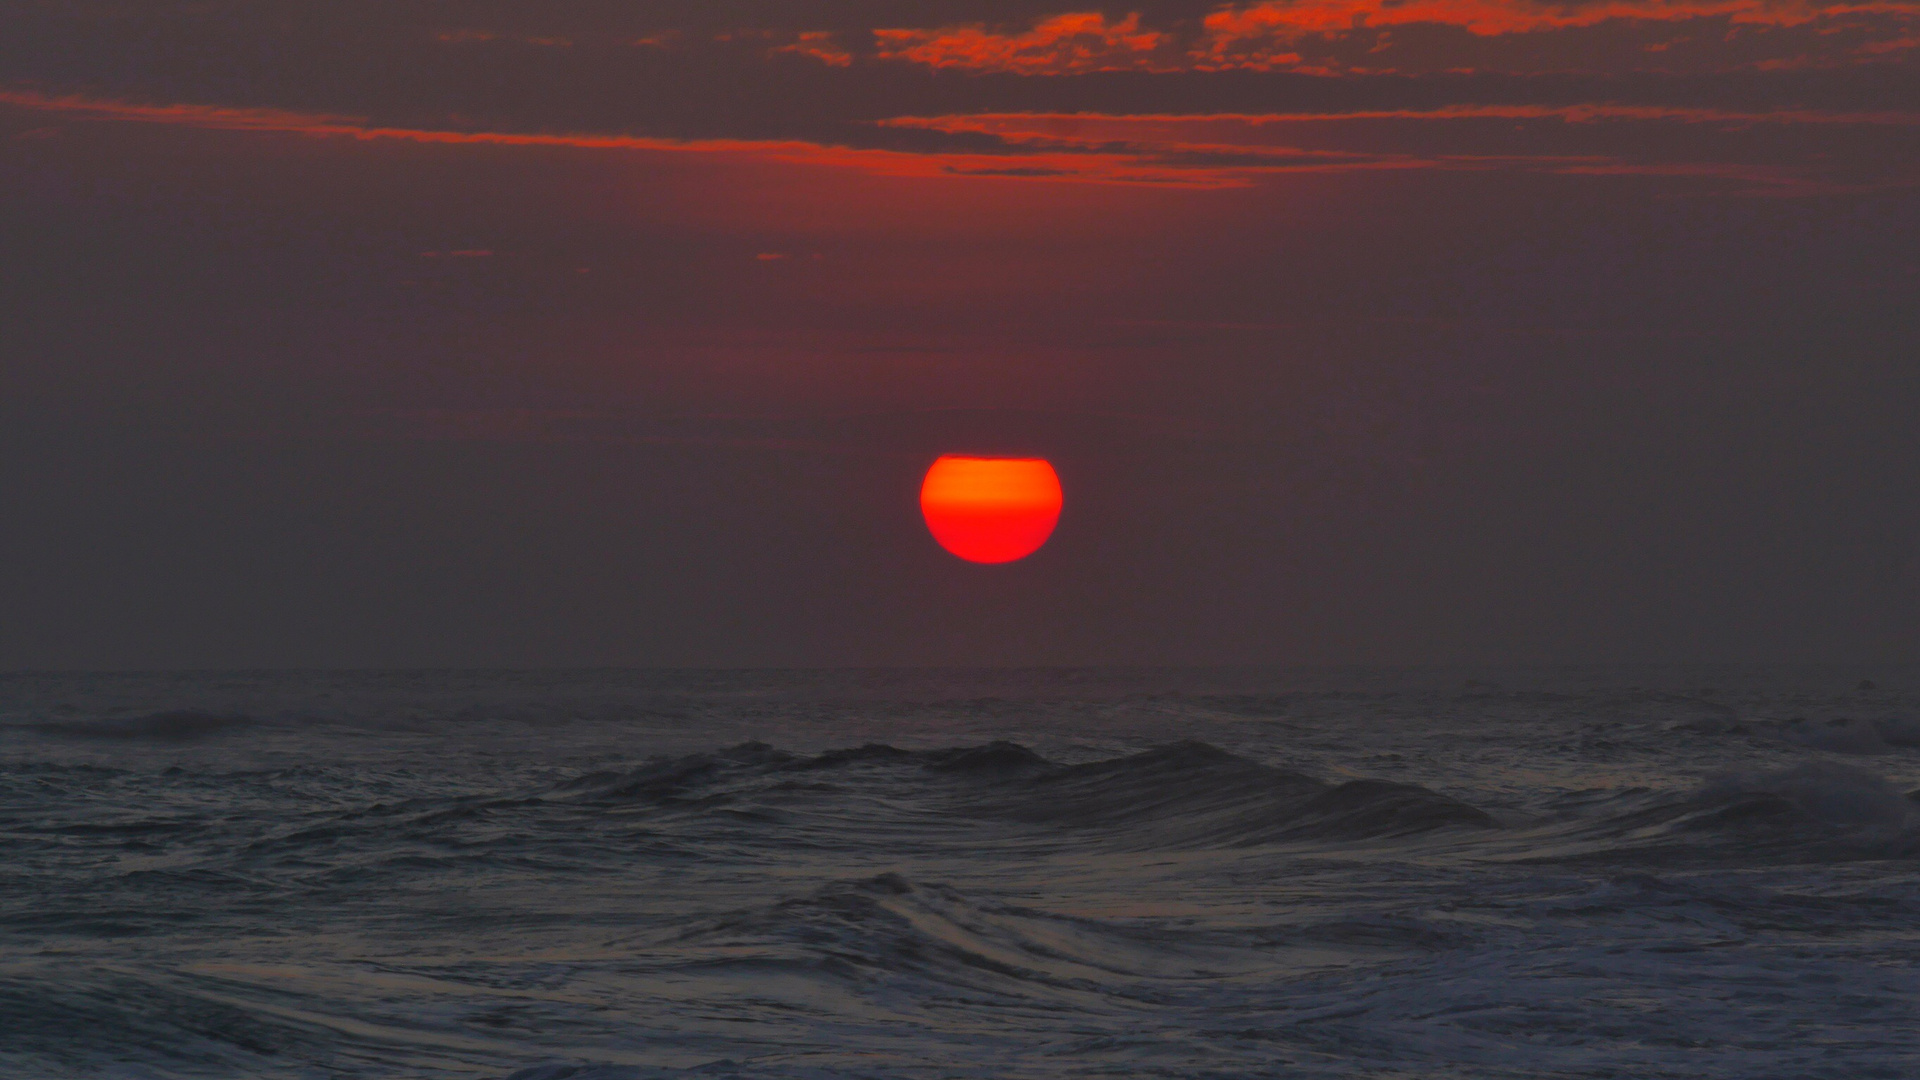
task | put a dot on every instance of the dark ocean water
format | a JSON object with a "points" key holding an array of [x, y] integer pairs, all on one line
{"points": [[1571, 873]]}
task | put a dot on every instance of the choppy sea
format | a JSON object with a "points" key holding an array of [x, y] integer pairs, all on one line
{"points": [[608, 875]]}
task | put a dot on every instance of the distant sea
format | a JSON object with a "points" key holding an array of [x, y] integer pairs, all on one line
{"points": [[607, 875]]}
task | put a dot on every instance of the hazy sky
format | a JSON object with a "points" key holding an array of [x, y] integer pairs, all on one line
{"points": [[581, 332]]}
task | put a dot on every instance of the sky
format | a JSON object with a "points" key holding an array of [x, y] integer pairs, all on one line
{"points": [[463, 334]]}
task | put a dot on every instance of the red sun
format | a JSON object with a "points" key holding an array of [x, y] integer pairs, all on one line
{"points": [[991, 510]]}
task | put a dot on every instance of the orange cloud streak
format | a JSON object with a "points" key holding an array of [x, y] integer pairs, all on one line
{"points": [[1067, 166], [1191, 151], [1274, 142]]}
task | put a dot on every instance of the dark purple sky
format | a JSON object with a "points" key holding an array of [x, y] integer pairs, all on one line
{"points": [[405, 334]]}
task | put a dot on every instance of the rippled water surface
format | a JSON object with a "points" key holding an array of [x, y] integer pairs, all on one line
{"points": [[599, 875]]}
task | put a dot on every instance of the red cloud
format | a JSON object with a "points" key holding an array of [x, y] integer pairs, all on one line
{"points": [[1081, 41], [820, 45], [1268, 34], [1104, 129], [1279, 18]]}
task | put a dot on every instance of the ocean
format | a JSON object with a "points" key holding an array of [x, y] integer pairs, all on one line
{"points": [[610, 875]]}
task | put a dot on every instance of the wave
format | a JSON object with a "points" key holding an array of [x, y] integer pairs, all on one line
{"points": [[1186, 793], [895, 943], [1843, 735], [178, 725], [888, 927], [1195, 795], [59, 1025], [669, 779], [1814, 811], [621, 1071], [1838, 735], [1192, 793], [1825, 793]]}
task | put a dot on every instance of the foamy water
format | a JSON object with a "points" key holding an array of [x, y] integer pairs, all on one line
{"points": [[599, 875]]}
